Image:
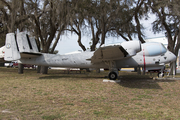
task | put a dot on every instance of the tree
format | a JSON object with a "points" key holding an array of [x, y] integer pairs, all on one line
{"points": [[114, 17], [109, 18], [139, 12], [48, 20], [93, 21], [13, 15], [3, 32], [77, 20], [105, 18], [168, 20]]}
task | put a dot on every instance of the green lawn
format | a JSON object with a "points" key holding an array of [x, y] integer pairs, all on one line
{"points": [[58, 95]]}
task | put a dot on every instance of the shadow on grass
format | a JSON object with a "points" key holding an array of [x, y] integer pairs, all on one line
{"points": [[130, 80], [141, 82], [82, 77]]}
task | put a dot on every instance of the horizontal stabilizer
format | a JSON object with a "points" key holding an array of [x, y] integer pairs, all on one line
{"points": [[30, 55]]}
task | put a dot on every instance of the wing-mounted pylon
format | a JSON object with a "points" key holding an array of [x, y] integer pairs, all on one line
{"points": [[116, 51]]}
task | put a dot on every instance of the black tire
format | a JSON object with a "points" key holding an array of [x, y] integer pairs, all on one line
{"points": [[112, 76], [160, 74]]}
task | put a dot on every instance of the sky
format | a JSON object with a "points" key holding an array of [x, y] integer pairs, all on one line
{"points": [[68, 43]]}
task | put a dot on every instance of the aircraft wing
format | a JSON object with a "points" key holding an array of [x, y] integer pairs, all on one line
{"points": [[109, 53], [116, 52]]}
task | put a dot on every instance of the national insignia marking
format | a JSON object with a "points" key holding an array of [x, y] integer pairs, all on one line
{"points": [[8, 45]]}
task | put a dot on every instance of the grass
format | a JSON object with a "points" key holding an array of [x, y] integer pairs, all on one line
{"points": [[61, 96]]}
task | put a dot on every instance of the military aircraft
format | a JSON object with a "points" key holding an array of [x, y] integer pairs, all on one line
{"points": [[114, 56]]}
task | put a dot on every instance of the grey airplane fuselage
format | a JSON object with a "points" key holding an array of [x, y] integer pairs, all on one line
{"points": [[80, 60]]}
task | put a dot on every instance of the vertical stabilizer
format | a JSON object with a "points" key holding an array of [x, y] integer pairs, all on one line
{"points": [[11, 49], [26, 44], [23, 43], [34, 44]]}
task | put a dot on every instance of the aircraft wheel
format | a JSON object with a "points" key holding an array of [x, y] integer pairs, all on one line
{"points": [[160, 74], [112, 76]]}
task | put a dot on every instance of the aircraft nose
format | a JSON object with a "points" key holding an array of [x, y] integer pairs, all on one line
{"points": [[172, 57]]}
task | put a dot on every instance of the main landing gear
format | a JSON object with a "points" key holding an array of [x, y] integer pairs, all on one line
{"points": [[113, 75]]}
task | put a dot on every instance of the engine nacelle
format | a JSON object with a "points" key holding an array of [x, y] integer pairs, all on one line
{"points": [[153, 49], [132, 47]]}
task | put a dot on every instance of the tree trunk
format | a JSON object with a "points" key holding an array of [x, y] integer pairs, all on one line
{"points": [[44, 70], [20, 68], [138, 27], [95, 40], [92, 47], [38, 69], [172, 68], [103, 35], [79, 41]]}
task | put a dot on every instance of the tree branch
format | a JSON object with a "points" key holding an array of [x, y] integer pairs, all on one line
{"points": [[9, 7]]}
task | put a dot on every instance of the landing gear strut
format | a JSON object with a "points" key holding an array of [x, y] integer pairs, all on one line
{"points": [[160, 74], [113, 74]]}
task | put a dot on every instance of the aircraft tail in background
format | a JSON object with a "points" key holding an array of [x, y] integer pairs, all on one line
{"points": [[2, 50], [19, 46]]}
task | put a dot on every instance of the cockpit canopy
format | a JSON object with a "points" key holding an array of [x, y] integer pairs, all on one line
{"points": [[153, 49]]}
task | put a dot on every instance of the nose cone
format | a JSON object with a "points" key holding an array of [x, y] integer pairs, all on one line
{"points": [[171, 57]]}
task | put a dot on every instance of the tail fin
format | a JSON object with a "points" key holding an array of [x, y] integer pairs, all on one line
{"points": [[11, 49], [23, 47], [26, 44]]}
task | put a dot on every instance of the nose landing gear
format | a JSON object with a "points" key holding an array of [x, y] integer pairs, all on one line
{"points": [[160, 74]]}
